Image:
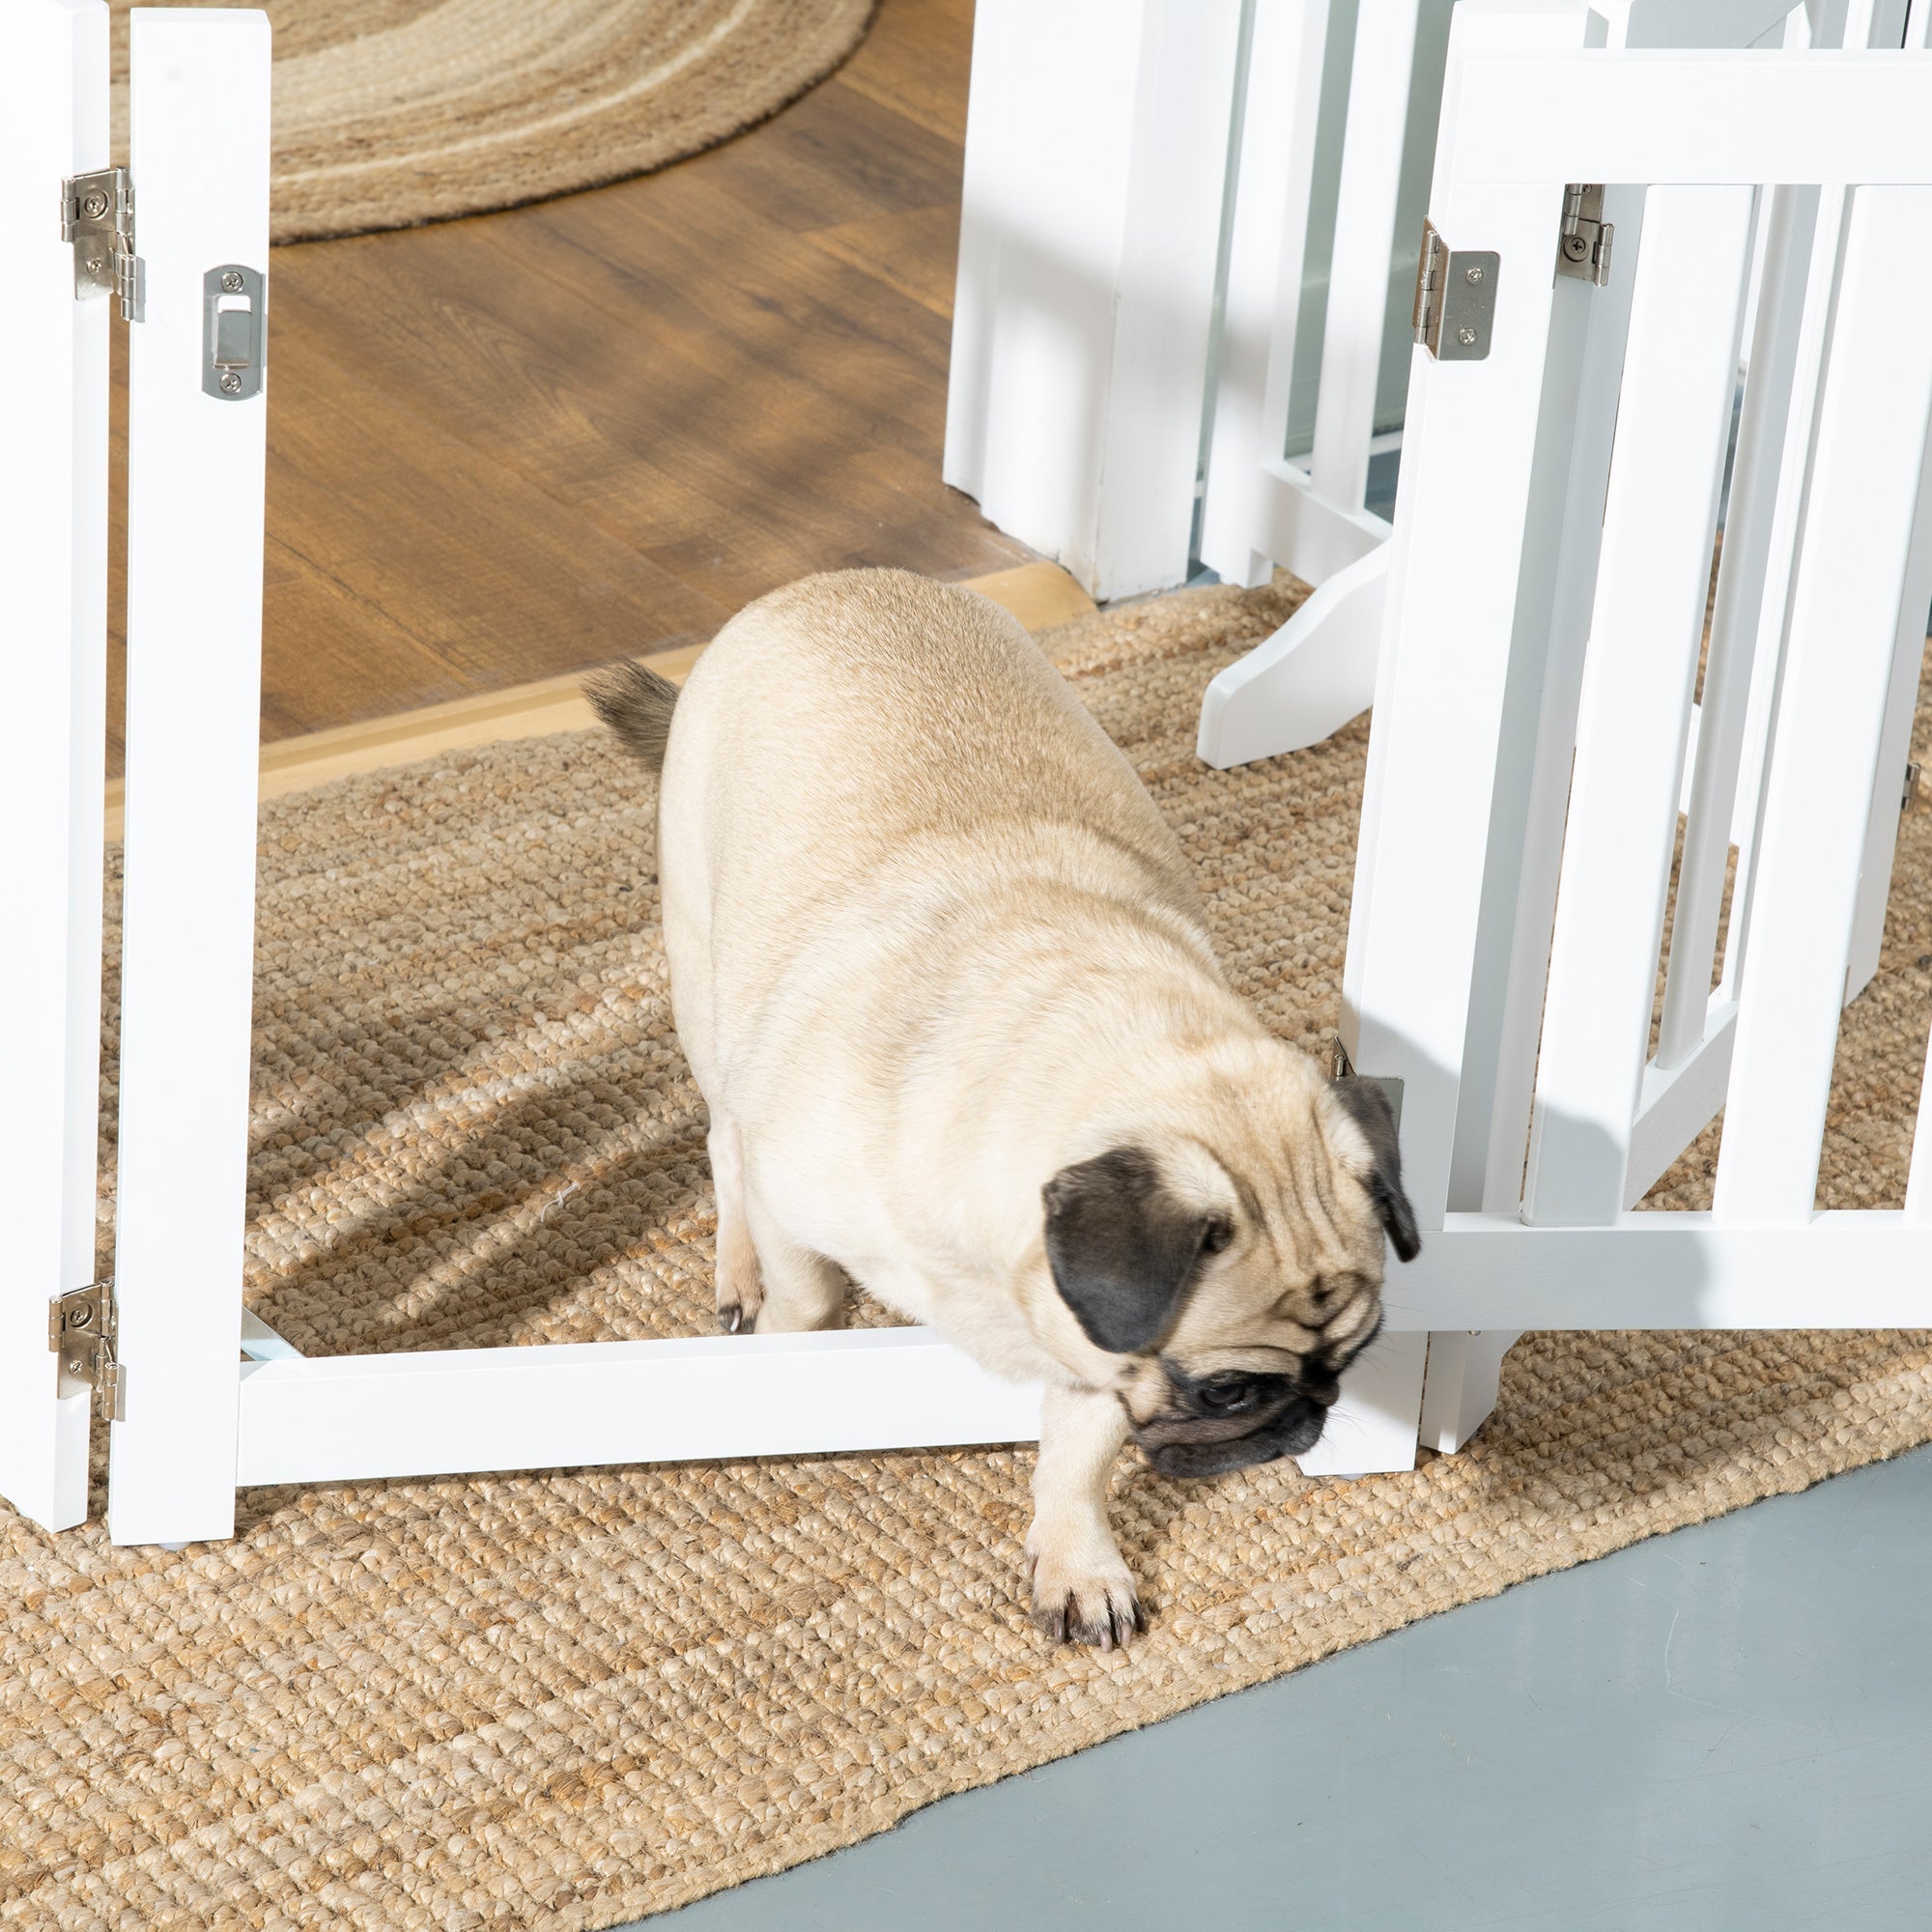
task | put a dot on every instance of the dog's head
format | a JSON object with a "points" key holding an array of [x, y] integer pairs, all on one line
{"points": [[1234, 1267]]}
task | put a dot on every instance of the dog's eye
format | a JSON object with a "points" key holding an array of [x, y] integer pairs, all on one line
{"points": [[1221, 1395], [1219, 1233]]}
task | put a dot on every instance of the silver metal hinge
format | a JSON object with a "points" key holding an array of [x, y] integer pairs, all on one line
{"points": [[98, 216], [1341, 1068], [1455, 298], [81, 1329], [1910, 792], [1584, 247], [1340, 1065]]}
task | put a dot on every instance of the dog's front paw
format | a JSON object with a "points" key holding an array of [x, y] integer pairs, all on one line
{"points": [[1082, 1591]]}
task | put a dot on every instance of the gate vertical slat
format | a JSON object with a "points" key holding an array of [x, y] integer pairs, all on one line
{"points": [[196, 465], [1358, 273], [1860, 26], [1262, 300], [1888, 24], [1901, 706], [1861, 500], [1763, 426], [1527, 841], [1679, 372], [53, 536], [1774, 616]]}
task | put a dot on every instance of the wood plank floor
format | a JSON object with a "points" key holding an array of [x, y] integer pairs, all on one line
{"points": [[509, 447], [1041, 595]]}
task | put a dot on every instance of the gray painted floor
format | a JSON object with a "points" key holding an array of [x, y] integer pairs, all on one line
{"points": [[1726, 1727]]}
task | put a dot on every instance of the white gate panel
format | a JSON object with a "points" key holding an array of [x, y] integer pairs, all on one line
{"points": [[1859, 517], [1317, 671], [196, 465], [53, 642], [1678, 130], [1493, 578]]}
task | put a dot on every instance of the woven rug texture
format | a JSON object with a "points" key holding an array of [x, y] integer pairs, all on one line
{"points": [[568, 1699], [389, 113]]}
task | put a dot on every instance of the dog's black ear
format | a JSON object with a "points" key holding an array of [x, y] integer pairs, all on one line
{"points": [[1368, 1106], [1122, 1247]]}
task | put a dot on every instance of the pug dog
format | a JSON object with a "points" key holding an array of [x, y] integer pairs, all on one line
{"points": [[942, 977]]}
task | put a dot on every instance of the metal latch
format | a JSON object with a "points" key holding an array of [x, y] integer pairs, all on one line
{"points": [[98, 216], [1341, 1068], [234, 332], [1584, 248], [81, 1329], [1455, 298]]}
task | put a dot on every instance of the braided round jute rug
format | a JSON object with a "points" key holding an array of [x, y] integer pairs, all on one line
{"points": [[567, 1700], [389, 113]]}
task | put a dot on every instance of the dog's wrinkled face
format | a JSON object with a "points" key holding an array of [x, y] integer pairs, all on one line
{"points": [[1237, 1274]]}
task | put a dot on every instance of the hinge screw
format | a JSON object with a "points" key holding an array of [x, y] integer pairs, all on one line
{"points": [[1465, 336], [231, 383], [232, 282], [1575, 246], [94, 205], [1472, 275]]}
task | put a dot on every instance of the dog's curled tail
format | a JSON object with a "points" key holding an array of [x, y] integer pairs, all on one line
{"points": [[637, 704]]}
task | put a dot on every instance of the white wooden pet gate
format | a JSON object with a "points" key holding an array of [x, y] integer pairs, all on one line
{"points": [[1546, 593], [1260, 507], [1493, 587]]}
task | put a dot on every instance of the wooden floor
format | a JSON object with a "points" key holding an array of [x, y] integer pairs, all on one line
{"points": [[509, 447]]}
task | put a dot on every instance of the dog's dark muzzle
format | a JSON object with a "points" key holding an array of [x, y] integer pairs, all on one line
{"points": [[1232, 1422]]}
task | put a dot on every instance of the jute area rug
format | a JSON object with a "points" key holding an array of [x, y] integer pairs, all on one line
{"points": [[392, 112], [567, 1700]]}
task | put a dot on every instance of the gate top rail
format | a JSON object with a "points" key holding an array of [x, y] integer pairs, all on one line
{"points": [[1690, 117]]}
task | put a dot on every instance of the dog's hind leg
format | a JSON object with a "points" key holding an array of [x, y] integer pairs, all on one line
{"points": [[802, 1289], [740, 1290]]}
